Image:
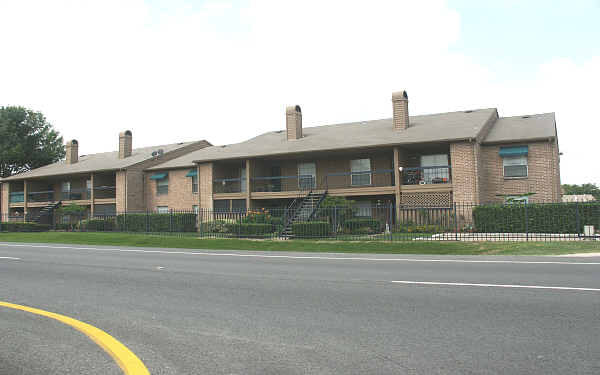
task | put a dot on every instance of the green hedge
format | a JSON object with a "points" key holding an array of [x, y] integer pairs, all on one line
{"points": [[363, 225], [176, 222], [23, 227], [250, 229], [98, 225], [311, 229], [541, 218]]}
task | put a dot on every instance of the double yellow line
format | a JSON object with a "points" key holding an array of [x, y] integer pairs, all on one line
{"points": [[127, 361]]}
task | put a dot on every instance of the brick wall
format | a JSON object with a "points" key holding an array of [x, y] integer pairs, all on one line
{"points": [[543, 174], [4, 198], [180, 195], [205, 185], [135, 190], [465, 167], [120, 191]]}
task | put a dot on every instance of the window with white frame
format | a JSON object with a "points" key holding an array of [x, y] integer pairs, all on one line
{"points": [[195, 184], [362, 208], [515, 166], [162, 186], [516, 199], [360, 172], [196, 209], [162, 209]]}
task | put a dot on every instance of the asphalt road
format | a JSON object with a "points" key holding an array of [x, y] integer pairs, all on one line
{"points": [[289, 313]]}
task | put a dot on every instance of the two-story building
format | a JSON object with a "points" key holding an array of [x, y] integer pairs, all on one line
{"points": [[472, 156], [104, 183]]}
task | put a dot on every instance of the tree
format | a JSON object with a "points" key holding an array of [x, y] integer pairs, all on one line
{"points": [[27, 141], [582, 189]]}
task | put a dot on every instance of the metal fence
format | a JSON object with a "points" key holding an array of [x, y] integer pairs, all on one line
{"points": [[457, 222]]}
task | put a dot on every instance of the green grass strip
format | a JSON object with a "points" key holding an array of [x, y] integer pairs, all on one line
{"points": [[414, 247]]}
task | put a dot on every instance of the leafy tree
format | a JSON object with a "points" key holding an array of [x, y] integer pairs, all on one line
{"points": [[582, 189], [27, 141]]}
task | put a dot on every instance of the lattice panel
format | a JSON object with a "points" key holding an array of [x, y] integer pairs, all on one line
{"points": [[438, 199]]}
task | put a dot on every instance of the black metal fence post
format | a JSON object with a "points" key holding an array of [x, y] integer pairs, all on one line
{"points": [[577, 219]]}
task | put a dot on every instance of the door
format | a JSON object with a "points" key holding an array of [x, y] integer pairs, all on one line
{"points": [[435, 175], [307, 175], [276, 182]]}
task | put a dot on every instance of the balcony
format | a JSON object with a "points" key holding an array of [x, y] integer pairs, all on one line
{"points": [[360, 179], [105, 192], [228, 185], [16, 197], [40, 196], [426, 176], [278, 184]]}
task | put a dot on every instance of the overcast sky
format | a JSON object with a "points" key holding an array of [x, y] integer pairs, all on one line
{"points": [[177, 70]]}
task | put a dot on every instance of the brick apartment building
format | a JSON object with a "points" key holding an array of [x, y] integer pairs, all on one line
{"points": [[471, 156], [103, 183]]}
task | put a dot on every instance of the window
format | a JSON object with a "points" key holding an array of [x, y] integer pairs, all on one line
{"points": [[162, 186], [361, 172], [221, 205], [238, 205], [515, 166], [362, 208], [435, 168], [66, 190], [162, 209], [196, 209], [307, 174], [243, 179], [195, 184], [516, 199]]}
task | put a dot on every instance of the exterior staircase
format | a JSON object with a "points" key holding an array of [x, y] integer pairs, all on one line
{"points": [[45, 214], [302, 209]]}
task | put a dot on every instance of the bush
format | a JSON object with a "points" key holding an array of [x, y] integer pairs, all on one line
{"points": [[412, 228], [311, 229], [536, 218], [261, 217], [362, 226], [98, 225], [23, 227], [176, 222], [217, 226], [250, 230]]}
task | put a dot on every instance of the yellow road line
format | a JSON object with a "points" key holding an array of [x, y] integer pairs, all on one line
{"points": [[127, 361]]}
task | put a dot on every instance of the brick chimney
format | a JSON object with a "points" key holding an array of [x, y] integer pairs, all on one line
{"points": [[125, 144], [72, 148], [400, 105], [293, 122]]}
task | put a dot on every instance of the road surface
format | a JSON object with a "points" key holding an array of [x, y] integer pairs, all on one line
{"points": [[227, 312]]}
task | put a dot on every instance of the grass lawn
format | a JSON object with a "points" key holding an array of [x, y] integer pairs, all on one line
{"points": [[421, 247]]}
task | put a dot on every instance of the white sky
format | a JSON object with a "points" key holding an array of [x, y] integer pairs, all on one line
{"points": [[224, 71]]}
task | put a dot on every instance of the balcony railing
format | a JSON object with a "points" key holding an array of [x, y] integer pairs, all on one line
{"points": [[228, 185], [426, 175], [357, 179], [105, 192], [284, 183], [41, 196], [16, 197], [74, 195]]}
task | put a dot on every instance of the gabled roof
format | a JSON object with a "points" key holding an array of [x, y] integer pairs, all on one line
{"points": [[97, 162], [522, 128], [442, 127]]}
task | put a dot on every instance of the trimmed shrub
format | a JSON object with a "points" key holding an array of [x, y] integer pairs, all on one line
{"points": [[176, 222], [363, 225], [98, 225], [23, 227], [536, 218], [311, 229], [217, 226], [250, 230]]}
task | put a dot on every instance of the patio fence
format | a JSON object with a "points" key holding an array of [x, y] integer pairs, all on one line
{"points": [[458, 222]]}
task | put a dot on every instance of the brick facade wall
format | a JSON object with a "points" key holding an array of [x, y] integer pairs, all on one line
{"points": [[543, 174], [180, 195], [205, 185], [465, 167], [4, 196], [135, 190], [121, 200]]}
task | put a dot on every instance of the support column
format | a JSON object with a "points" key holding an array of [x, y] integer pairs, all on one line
{"points": [[92, 203], [25, 198], [399, 162], [248, 187]]}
